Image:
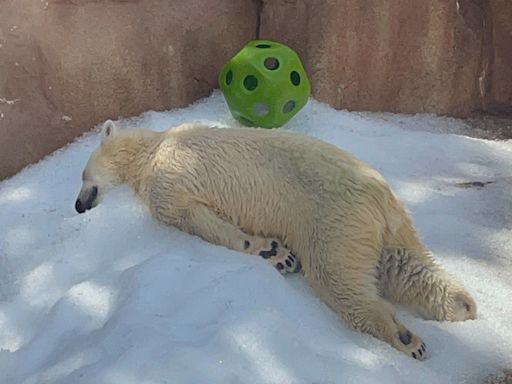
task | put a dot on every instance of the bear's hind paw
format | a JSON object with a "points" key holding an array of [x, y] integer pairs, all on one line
{"points": [[411, 345]]}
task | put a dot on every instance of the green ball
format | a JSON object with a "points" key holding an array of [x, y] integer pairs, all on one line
{"points": [[264, 84]]}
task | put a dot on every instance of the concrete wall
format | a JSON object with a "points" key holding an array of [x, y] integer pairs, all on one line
{"points": [[66, 65], [442, 56], [500, 49]]}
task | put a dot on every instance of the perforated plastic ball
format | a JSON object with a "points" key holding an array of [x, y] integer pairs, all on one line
{"points": [[264, 84]]}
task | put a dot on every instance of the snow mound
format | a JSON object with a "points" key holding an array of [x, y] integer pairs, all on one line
{"points": [[111, 296]]}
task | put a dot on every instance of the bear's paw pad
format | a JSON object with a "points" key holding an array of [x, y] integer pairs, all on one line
{"points": [[281, 258], [412, 345]]}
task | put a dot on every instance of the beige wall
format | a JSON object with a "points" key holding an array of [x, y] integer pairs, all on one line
{"points": [[500, 48], [441, 56], [66, 65]]}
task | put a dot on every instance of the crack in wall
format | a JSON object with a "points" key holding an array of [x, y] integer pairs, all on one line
{"points": [[484, 77], [259, 11]]}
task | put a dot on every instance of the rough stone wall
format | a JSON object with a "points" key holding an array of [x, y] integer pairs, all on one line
{"points": [[500, 47], [66, 65], [397, 55]]}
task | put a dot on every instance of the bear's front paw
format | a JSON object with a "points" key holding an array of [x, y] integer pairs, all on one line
{"points": [[281, 258], [286, 264]]}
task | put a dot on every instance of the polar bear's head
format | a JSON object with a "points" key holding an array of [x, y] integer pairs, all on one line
{"points": [[100, 173]]}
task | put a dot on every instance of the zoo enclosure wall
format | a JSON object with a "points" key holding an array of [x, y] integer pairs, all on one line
{"points": [[66, 65]]}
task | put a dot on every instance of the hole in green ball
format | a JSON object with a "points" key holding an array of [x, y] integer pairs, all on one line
{"points": [[271, 63], [295, 78], [229, 77], [263, 46], [260, 109], [288, 107], [250, 82]]}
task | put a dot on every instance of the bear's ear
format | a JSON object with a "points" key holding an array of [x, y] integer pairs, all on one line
{"points": [[109, 129]]}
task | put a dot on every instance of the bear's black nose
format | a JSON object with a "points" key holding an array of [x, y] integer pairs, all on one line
{"points": [[79, 206]]}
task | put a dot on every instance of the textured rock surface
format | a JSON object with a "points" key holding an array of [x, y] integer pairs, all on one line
{"points": [[500, 15], [66, 65], [401, 55]]}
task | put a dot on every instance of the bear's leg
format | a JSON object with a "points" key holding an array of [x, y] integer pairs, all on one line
{"points": [[413, 279], [205, 223], [360, 306], [343, 273]]}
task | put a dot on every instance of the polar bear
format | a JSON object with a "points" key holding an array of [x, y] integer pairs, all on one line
{"points": [[294, 200]]}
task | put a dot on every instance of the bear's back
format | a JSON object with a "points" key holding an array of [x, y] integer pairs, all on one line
{"points": [[285, 154]]}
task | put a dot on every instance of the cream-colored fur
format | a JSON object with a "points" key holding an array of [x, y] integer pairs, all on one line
{"points": [[256, 190]]}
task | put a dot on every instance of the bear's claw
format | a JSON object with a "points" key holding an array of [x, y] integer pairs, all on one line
{"points": [[420, 353]]}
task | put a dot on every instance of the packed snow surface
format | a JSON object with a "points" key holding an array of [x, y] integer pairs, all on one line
{"points": [[113, 297]]}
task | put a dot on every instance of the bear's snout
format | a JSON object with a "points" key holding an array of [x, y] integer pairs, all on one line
{"points": [[82, 205]]}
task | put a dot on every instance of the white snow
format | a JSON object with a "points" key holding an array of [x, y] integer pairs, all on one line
{"points": [[111, 296]]}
